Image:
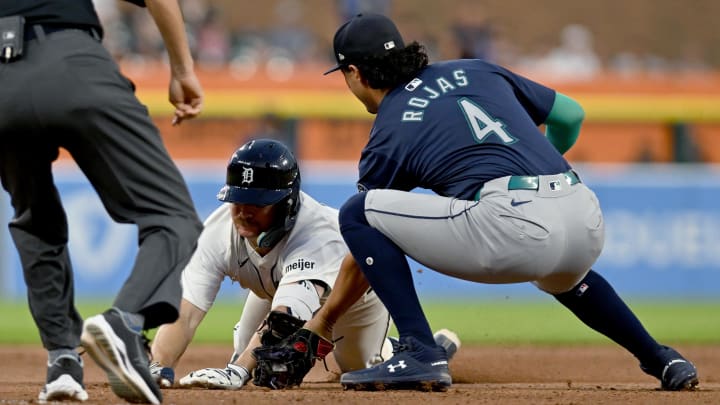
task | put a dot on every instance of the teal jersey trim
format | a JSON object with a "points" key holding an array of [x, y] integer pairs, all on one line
{"points": [[562, 126]]}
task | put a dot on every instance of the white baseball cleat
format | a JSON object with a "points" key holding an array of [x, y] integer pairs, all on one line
{"points": [[64, 381]]}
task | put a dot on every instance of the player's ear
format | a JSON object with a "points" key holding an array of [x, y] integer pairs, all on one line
{"points": [[353, 72]]}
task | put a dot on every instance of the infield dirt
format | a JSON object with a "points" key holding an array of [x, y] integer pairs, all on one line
{"points": [[481, 375]]}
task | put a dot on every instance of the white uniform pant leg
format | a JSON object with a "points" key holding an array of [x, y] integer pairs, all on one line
{"points": [[362, 331]]}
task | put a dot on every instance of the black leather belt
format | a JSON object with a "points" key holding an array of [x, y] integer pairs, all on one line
{"points": [[48, 29]]}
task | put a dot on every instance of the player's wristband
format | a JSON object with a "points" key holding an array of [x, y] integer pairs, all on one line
{"points": [[240, 371]]}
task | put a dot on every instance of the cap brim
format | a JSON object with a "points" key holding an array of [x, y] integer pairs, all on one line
{"points": [[254, 196], [337, 67]]}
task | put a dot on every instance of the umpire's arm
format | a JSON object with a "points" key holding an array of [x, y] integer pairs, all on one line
{"points": [[185, 90]]}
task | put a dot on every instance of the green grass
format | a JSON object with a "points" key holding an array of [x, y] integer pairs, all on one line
{"points": [[548, 322], [540, 321]]}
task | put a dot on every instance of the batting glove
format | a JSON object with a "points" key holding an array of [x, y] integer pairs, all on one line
{"points": [[164, 376], [231, 378]]}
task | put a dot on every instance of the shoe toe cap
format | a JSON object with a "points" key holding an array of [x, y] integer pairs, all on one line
{"points": [[679, 375]]}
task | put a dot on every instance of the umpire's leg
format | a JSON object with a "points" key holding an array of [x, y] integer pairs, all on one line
{"points": [[39, 231], [39, 228], [119, 149]]}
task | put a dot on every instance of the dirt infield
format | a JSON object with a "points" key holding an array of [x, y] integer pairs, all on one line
{"points": [[481, 375]]}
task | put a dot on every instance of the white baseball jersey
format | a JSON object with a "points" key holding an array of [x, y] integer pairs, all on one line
{"points": [[312, 250]]}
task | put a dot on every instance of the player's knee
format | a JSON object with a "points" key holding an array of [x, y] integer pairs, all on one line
{"points": [[563, 283], [352, 213]]}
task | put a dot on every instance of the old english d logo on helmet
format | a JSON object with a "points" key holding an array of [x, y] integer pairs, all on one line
{"points": [[247, 175]]}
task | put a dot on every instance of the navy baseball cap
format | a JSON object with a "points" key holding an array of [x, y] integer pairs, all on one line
{"points": [[364, 35]]}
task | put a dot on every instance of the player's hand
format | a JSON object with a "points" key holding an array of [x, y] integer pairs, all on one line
{"points": [[164, 376], [186, 95], [231, 378]]}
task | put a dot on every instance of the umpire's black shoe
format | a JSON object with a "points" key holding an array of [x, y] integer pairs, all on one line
{"points": [[673, 370], [413, 366], [64, 381], [121, 352]]}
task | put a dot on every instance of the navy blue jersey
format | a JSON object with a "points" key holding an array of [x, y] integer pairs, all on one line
{"points": [[456, 126]]}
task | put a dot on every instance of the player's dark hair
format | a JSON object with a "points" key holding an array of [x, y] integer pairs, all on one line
{"points": [[394, 68]]}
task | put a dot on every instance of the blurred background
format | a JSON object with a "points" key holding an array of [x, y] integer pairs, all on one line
{"points": [[645, 70], [647, 73]]}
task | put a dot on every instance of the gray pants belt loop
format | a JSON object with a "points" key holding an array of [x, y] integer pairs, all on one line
{"points": [[39, 32]]}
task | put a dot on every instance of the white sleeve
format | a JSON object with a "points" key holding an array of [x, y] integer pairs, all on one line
{"points": [[254, 312], [204, 273]]}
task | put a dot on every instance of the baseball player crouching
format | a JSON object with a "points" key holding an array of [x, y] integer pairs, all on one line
{"points": [[286, 249]]}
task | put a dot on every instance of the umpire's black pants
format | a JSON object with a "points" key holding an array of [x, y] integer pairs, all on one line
{"points": [[68, 92]]}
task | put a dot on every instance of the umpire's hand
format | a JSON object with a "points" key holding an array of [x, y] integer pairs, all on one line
{"points": [[186, 95]]}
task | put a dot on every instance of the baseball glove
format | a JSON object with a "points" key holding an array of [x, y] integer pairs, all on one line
{"points": [[286, 363]]}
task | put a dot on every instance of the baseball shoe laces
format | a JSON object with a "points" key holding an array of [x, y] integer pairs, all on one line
{"points": [[444, 338], [412, 366], [122, 354], [64, 381]]}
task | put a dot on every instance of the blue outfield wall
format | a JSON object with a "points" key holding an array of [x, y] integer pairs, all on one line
{"points": [[662, 232]]}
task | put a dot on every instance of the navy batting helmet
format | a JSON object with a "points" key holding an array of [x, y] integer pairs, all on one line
{"points": [[264, 172]]}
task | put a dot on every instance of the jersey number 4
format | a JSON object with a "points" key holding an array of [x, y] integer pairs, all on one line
{"points": [[483, 125]]}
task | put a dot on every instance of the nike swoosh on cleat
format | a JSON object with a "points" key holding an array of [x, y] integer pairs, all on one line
{"points": [[516, 203]]}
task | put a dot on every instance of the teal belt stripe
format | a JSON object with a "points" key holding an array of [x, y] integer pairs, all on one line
{"points": [[533, 182]]}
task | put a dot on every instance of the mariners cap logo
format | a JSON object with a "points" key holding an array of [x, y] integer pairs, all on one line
{"points": [[247, 175]]}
